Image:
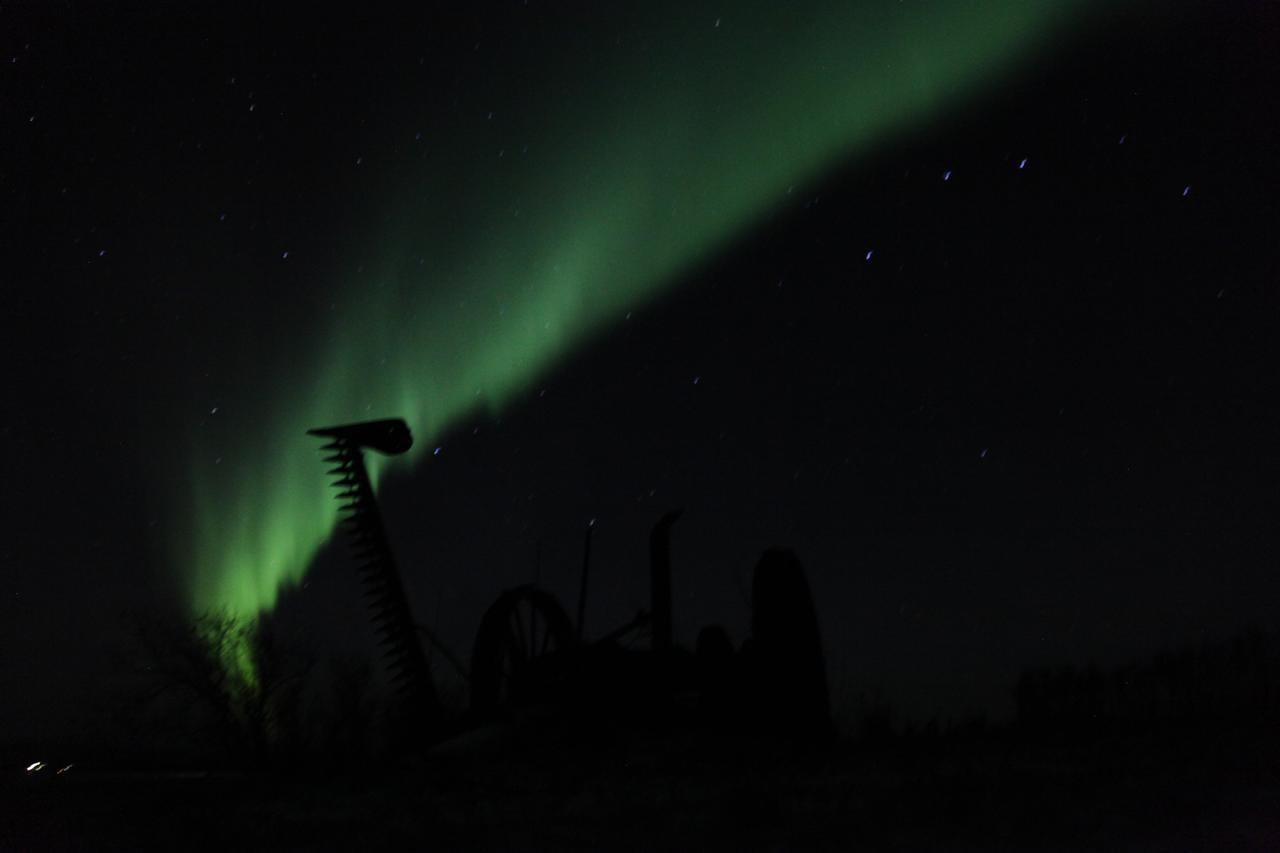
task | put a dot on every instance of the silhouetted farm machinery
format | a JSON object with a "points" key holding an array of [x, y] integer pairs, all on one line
{"points": [[528, 652]]}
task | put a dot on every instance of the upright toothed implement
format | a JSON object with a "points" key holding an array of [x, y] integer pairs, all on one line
{"points": [[528, 653], [362, 523]]}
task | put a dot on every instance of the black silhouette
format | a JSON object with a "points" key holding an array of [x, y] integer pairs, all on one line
{"points": [[660, 579], [528, 651], [519, 649], [787, 665], [362, 522]]}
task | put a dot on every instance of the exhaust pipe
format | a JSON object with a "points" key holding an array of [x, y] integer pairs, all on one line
{"points": [[660, 579]]}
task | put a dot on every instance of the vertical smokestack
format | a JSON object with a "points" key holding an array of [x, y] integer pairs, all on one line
{"points": [[660, 579], [582, 585]]}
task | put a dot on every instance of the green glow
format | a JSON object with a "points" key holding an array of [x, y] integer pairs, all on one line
{"points": [[639, 165], [229, 639]]}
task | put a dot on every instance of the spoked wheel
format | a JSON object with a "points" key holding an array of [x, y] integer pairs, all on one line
{"points": [[519, 648]]}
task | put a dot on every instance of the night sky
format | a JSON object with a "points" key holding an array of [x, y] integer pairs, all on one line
{"points": [[972, 304]]}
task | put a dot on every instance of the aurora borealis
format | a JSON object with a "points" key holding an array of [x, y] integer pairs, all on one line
{"points": [[545, 207], [969, 305]]}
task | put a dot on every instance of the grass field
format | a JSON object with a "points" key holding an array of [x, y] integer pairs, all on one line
{"points": [[555, 784]]}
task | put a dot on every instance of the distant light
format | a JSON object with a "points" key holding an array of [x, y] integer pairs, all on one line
{"points": [[1186, 191], [284, 256], [983, 454], [34, 766], [65, 769], [946, 176], [869, 254], [697, 379], [435, 452], [591, 523], [1023, 164]]}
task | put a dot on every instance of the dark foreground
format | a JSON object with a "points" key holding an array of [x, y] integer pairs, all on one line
{"points": [[552, 787]]}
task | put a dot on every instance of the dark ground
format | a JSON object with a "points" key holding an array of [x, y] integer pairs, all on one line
{"points": [[1175, 788]]}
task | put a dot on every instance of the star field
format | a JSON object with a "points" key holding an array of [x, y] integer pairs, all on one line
{"points": [[966, 303]]}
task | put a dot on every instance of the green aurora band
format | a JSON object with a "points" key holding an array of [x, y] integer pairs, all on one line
{"points": [[641, 162]]}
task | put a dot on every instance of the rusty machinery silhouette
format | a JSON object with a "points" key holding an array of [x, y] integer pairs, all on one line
{"points": [[527, 649]]}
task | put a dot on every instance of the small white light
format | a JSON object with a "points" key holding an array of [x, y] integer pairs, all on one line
{"points": [[34, 766]]}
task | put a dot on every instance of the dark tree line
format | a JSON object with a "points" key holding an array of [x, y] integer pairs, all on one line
{"points": [[1233, 681]]}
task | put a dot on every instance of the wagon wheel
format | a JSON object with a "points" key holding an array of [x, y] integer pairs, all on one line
{"points": [[518, 647]]}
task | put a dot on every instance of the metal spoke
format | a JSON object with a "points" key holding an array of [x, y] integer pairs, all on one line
{"points": [[519, 631], [533, 629]]}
